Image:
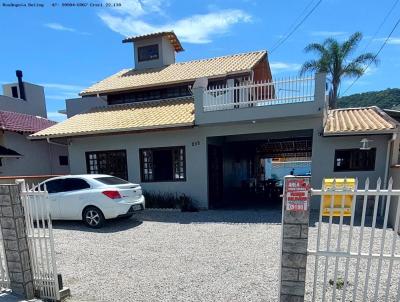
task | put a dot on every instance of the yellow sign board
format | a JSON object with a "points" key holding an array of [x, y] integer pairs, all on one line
{"points": [[338, 204]]}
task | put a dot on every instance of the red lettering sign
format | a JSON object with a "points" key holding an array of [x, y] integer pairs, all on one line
{"points": [[297, 196]]}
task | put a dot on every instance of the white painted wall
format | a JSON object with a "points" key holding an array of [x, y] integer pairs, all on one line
{"points": [[196, 184], [166, 54], [35, 103], [80, 105], [196, 156], [39, 158], [324, 155], [196, 169]]}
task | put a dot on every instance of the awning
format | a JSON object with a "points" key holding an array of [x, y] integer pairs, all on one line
{"points": [[8, 153]]}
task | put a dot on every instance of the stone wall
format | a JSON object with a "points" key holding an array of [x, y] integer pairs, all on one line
{"points": [[12, 222]]}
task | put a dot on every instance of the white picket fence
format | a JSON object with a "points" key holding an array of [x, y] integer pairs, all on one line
{"points": [[4, 280], [356, 258], [41, 242], [262, 93]]}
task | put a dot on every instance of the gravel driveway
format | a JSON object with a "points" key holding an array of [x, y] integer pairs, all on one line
{"points": [[204, 256], [173, 256]]}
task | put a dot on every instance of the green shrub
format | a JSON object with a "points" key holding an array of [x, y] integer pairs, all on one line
{"points": [[187, 204], [164, 200]]}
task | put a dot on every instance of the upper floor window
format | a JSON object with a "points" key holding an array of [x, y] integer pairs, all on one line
{"points": [[354, 160], [14, 91], [147, 53], [148, 95]]}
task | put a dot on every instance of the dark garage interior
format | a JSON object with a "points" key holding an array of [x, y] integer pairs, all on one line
{"points": [[246, 171]]}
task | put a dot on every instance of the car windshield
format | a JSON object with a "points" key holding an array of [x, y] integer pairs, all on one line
{"points": [[111, 180]]}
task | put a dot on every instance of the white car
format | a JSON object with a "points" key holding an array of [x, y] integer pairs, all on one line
{"points": [[92, 198]]}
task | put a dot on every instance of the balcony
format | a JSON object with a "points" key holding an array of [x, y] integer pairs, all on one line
{"points": [[259, 94], [259, 100]]}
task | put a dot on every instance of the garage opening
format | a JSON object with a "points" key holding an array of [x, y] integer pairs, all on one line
{"points": [[247, 171]]}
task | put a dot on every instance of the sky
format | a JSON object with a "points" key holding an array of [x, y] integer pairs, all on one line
{"points": [[67, 49]]}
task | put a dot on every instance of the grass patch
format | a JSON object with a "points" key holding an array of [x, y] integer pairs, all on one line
{"points": [[339, 283]]}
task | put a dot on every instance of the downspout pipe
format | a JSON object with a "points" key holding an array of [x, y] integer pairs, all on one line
{"points": [[386, 176]]}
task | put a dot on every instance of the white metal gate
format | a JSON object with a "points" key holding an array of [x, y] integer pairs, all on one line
{"points": [[4, 280], [41, 242], [355, 258]]}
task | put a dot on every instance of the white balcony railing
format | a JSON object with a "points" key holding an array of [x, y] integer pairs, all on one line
{"points": [[252, 94]]}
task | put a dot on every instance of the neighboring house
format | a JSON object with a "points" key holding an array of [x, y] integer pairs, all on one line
{"points": [[205, 127], [23, 112]]}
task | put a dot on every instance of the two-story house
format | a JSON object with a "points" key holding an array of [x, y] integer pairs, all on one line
{"points": [[23, 112], [215, 128]]}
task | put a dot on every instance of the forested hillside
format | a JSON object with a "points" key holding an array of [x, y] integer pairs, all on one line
{"points": [[384, 99]]}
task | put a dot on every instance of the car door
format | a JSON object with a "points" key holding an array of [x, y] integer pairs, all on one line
{"points": [[55, 188], [74, 198]]}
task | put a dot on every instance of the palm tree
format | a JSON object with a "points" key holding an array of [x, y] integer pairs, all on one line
{"points": [[334, 60]]}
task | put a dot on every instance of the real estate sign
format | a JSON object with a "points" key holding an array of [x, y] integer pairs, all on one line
{"points": [[297, 193]]}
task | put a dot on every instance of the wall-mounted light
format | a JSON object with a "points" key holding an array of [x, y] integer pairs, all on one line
{"points": [[365, 144]]}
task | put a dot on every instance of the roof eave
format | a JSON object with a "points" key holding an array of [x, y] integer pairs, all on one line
{"points": [[113, 131], [357, 133]]}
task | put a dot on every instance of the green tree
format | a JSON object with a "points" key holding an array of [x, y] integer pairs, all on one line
{"points": [[334, 59]]}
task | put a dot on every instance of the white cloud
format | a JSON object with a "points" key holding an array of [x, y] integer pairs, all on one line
{"points": [[58, 26], [324, 33], [129, 20], [371, 70], [62, 96], [282, 66], [54, 115], [138, 8], [60, 86], [391, 41]]}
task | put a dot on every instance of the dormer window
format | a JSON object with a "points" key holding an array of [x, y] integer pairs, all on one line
{"points": [[147, 53]]}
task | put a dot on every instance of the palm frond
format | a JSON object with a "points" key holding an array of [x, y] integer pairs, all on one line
{"points": [[311, 65], [351, 43], [314, 66], [366, 58], [353, 70], [315, 47]]}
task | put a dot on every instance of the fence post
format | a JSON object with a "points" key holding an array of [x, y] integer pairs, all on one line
{"points": [[12, 221], [295, 218]]}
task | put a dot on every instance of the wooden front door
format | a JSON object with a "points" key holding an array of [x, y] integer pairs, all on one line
{"points": [[215, 176]]}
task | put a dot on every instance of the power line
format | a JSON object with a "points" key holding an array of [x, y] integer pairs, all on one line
{"points": [[376, 55], [382, 23], [279, 43], [294, 22]]}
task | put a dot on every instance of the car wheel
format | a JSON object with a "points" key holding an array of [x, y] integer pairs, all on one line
{"points": [[93, 217]]}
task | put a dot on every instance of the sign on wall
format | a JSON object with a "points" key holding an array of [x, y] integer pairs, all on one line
{"points": [[297, 193]]}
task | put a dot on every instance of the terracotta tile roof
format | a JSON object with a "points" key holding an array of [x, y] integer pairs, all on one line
{"points": [[149, 115], [176, 73], [170, 35], [364, 120], [20, 122]]}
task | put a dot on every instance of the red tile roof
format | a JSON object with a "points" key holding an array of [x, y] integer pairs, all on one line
{"points": [[20, 122]]}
